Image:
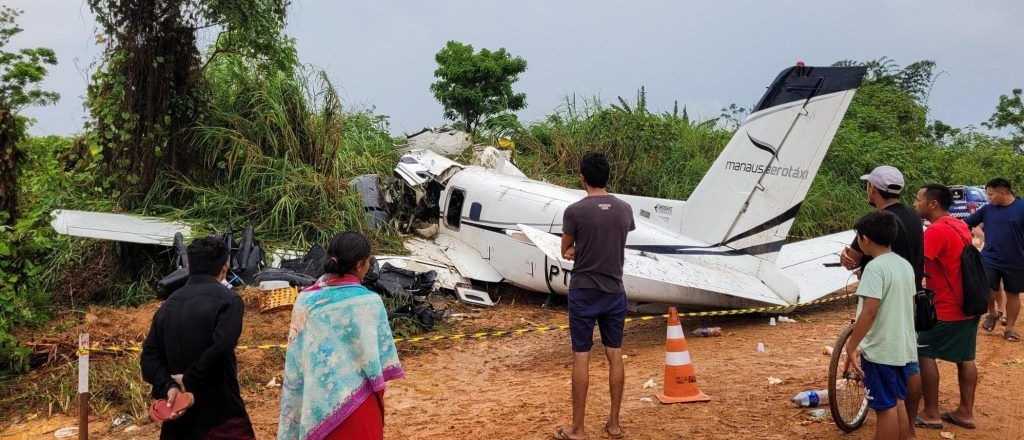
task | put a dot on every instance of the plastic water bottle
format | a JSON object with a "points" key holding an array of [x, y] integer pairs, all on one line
{"points": [[708, 331], [810, 398]]}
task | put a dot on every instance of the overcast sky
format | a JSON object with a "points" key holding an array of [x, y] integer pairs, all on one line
{"points": [[704, 54]]}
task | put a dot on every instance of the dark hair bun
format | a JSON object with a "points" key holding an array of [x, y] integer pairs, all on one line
{"points": [[345, 251]]}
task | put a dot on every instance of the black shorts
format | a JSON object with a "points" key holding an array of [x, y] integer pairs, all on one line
{"points": [[1012, 279], [587, 306], [952, 341]]}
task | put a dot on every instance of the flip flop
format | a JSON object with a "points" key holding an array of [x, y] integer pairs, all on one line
{"points": [[618, 436], [561, 435], [922, 423], [989, 323], [1011, 335], [950, 418]]}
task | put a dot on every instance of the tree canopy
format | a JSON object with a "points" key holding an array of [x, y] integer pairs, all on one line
{"points": [[473, 86], [1010, 114]]}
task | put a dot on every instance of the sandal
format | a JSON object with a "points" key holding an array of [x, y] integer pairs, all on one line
{"points": [[922, 423], [950, 418], [1011, 335], [560, 434], [618, 436], [989, 323]]}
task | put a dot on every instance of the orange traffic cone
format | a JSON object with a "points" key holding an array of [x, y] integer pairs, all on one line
{"points": [[680, 379]]}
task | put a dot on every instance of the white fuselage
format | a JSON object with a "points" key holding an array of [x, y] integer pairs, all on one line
{"points": [[493, 204]]}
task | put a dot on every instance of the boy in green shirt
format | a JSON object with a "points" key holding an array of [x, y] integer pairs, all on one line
{"points": [[883, 337]]}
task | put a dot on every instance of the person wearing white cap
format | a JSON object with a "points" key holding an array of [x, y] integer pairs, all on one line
{"points": [[884, 185]]}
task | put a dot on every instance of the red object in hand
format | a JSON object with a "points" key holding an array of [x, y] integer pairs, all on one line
{"points": [[159, 411]]}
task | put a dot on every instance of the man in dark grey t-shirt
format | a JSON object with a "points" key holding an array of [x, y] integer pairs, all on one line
{"points": [[594, 236]]}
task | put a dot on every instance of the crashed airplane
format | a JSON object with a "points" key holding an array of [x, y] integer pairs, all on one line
{"points": [[724, 247]]}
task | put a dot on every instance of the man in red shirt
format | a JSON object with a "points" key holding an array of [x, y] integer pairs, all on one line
{"points": [[954, 337]]}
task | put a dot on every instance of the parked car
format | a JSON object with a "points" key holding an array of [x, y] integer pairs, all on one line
{"points": [[966, 200]]}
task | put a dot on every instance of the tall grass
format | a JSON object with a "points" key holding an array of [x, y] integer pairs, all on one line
{"points": [[278, 150], [654, 154]]}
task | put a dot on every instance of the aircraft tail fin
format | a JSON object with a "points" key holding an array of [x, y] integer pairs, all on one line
{"points": [[753, 191]]}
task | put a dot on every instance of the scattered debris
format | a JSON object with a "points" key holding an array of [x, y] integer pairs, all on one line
{"points": [[647, 399], [445, 140], [786, 319], [474, 297], [818, 415], [650, 384], [705, 332], [624, 357], [810, 398], [947, 435], [121, 420], [760, 347], [827, 351], [771, 321], [132, 428], [273, 383], [68, 432], [425, 230], [374, 205], [774, 380], [497, 160]]}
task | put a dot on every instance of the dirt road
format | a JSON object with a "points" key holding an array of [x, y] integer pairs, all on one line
{"points": [[519, 387]]}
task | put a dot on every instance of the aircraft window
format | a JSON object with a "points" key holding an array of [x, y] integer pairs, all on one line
{"points": [[453, 216], [474, 211]]}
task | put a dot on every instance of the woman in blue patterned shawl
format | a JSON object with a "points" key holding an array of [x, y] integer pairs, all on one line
{"points": [[340, 353]]}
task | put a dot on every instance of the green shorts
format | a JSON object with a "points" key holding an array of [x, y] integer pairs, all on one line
{"points": [[953, 341]]}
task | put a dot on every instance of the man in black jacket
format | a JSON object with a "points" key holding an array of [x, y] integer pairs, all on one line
{"points": [[191, 348]]}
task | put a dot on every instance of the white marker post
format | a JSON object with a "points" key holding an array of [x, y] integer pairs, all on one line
{"points": [[83, 386]]}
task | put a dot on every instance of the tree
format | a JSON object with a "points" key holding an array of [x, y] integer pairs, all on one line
{"points": [[150, 92], [473, 86], [1010, 114], [21, 72], [916, 79]]}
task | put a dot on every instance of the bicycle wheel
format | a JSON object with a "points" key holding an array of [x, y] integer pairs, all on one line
{"points": [[847, 397]]}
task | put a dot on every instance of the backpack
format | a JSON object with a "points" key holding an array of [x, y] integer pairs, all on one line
{"points": [[973, 280]]}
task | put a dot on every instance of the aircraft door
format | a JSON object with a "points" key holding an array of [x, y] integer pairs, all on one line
{"points": [[453, 209]]}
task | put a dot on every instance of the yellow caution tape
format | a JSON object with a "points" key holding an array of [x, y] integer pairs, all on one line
{"points": [[516, 332]]}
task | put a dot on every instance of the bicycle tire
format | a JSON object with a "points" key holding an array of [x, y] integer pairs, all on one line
{"points": [[846, 420]]}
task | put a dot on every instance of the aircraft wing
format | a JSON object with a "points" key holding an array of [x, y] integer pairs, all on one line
{"points": [[117, 227], [814, 265], [644, 272]]}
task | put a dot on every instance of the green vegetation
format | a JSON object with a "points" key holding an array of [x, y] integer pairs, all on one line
{"points": [[1010, 114], [277, 152], [150, 89], [473, 87], [21, 72]]}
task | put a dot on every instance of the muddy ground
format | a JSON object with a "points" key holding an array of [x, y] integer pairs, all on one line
{"points": [[518, 387]]}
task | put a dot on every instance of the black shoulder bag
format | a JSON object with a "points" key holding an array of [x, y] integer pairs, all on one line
{"points": [[924, 310]]}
